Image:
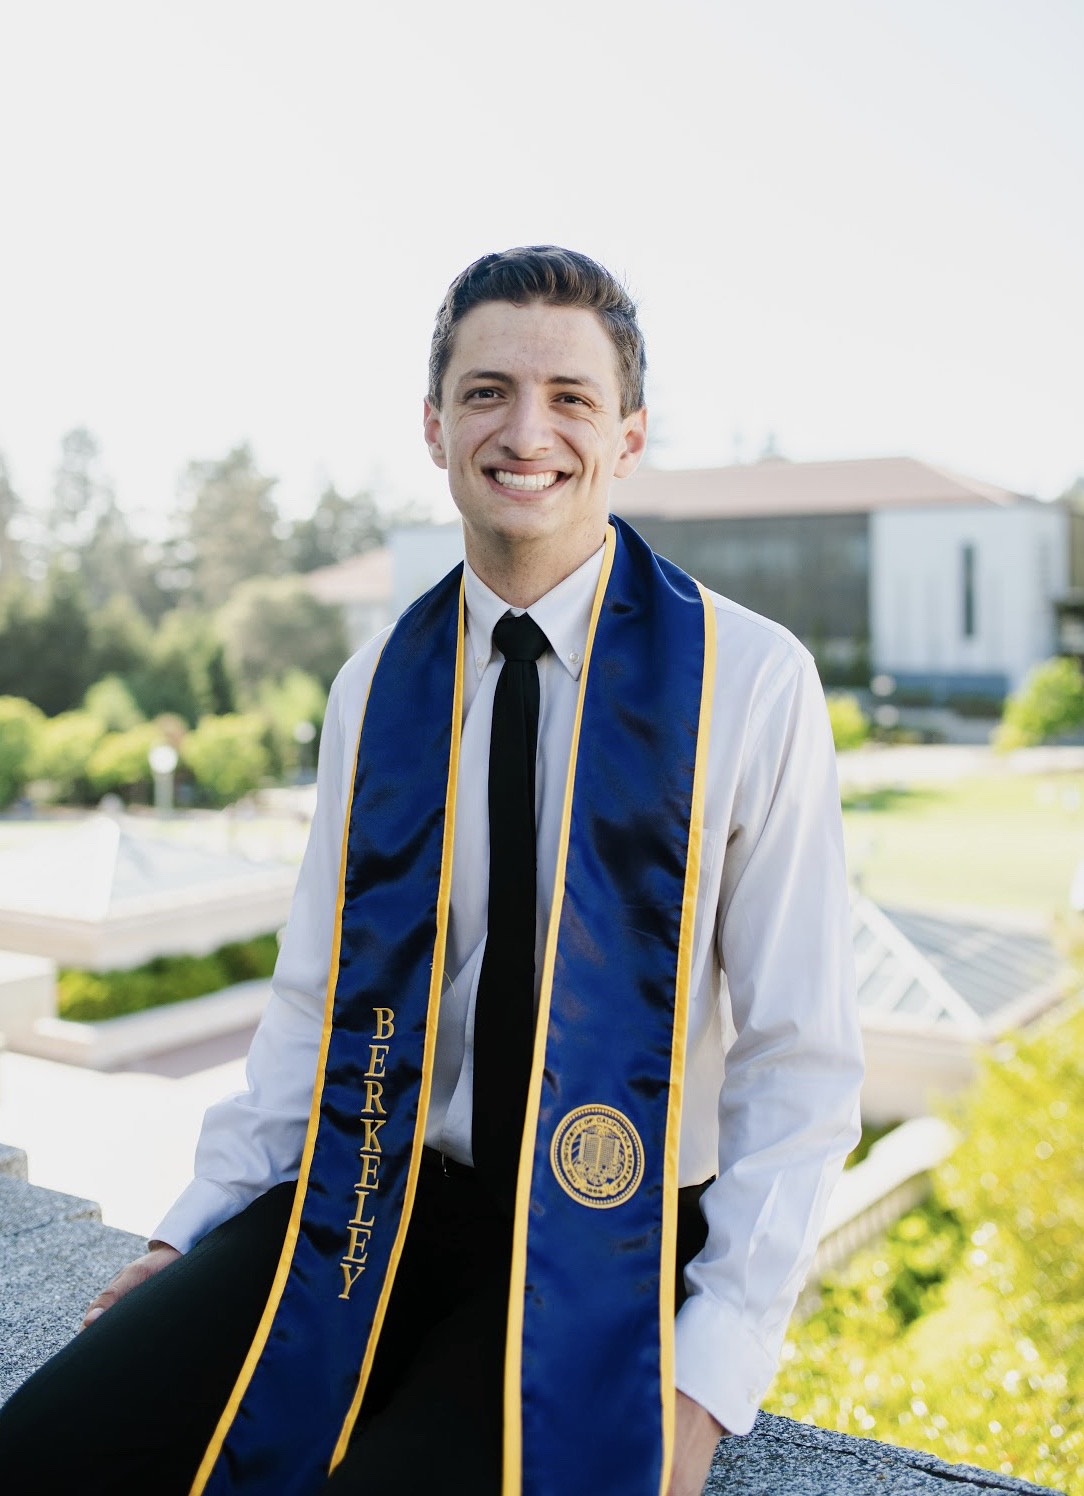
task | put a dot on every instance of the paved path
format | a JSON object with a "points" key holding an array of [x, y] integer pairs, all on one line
{"points": [[938, 763]]}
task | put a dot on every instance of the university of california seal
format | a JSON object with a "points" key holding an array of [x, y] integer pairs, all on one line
{"points": [[597, 1156]]}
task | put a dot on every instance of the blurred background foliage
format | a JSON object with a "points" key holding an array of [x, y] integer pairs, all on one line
{"points": [[963, 1332], [1049, 705], [204, 636]]}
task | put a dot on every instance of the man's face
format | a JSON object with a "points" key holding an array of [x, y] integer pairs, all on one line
{"points": [[531, 433]]}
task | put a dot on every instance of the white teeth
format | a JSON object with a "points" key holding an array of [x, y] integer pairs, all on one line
{"points": [[532, 481]]}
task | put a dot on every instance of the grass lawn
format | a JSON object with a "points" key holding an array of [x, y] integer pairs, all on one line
{"points": [[1006, 841]]}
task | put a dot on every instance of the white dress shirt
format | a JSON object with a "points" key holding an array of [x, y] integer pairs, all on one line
{"points": [[773, 1060]]}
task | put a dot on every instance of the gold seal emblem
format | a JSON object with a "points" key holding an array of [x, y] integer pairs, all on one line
{"points": [[597, 1156]]}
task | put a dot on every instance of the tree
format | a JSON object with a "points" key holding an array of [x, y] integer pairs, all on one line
{"points": [[84, 528], [45, 650], [16, 612], [112, 703], [230, 526], [20, 732], [341, 526], [12, 560], [227, 755], [184, 673], [1049, 704], [79, 490], [112, 561], [120, 638], [272, 625]]}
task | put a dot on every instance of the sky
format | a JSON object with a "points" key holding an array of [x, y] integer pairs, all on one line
{"points": [[855, 227]]}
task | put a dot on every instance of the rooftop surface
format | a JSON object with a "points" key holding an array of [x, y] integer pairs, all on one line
{"points": [[777, 487], [934, 969]]}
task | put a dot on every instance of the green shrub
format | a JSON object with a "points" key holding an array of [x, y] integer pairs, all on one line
{"points": [[227, 755], [64, 752], [245, 960], [119, 763], [112, 702], [285, 703], [963, 1332], [1048, 704], [88, 996], [850, 725], [21, 724]]}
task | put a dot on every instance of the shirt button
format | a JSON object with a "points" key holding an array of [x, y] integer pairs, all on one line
{"points": [[479, 661], [574, 658]]}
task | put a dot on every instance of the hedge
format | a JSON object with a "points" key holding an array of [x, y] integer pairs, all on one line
{"points": [[88, 996]]}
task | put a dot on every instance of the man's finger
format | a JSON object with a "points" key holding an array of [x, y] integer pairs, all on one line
{"points": [[159, 1256], [98, 1306]]}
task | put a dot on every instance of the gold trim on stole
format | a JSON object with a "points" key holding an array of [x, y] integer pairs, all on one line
{"points": [[218, 1439], [436, 982], [677, 1061], [512, 1473]]}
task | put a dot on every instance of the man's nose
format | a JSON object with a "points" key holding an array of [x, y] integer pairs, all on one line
{"points": [[527, 432]]}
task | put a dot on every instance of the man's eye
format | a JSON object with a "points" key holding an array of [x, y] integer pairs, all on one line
{"points": [[486, 393], [569, 399]]}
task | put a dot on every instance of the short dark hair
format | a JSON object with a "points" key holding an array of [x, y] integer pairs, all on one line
{"points": [[558, 277]]}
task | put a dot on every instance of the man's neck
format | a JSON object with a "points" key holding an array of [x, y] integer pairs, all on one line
{"points": [[521, 573]]}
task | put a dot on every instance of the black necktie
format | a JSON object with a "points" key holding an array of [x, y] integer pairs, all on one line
{"points": [[504, 1012]]}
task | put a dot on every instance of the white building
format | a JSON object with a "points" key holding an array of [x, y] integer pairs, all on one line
{"points": [[882, 566], [963, 597]]}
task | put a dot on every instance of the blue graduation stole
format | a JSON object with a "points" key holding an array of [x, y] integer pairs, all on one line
{"points": [[589, 1375]]}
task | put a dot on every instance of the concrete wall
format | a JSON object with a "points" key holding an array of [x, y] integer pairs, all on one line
{"points": [[917, 588], [420, 556]]}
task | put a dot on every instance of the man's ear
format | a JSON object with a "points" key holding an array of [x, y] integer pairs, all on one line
{"points": [[634, 443], [434, 434]]}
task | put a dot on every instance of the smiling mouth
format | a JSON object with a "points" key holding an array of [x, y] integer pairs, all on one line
{"points": [[525, 482]]}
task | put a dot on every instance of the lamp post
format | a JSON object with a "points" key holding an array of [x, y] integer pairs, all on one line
{"points": [[885, 714], [163, 761], [304, 732]]}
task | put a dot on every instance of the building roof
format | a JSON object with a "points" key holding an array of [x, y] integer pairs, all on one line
{"points": [[102, 866], [364, 578], [921, 970], [108, 892], [776, 487]]}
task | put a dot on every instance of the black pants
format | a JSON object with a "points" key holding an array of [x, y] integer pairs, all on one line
{"points": [[130, 1404]]}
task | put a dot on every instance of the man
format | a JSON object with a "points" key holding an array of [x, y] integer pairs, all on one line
{"points": [[535, 1104]]}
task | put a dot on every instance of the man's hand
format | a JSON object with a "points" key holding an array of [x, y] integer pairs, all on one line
{"points": [[696, 1433], [158, 1256]]}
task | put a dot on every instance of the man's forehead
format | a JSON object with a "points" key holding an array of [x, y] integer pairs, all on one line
{"points": [[508, 340]]}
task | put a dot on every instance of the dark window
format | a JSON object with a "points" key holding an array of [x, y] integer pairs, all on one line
{"points": [[967, 557]]}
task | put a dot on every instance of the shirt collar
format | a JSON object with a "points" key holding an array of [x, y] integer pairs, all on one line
{"points": [[563, 614]]}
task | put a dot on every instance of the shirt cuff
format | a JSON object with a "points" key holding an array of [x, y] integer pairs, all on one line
{"points": [[202, 1206], [719, 1363]]}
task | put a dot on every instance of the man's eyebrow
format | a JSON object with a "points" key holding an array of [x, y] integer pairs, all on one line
{"points": [[492, 374], [503, 377]]}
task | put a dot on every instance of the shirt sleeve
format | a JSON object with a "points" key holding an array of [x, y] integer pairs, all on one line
{"points": [[253, 1140], [788, 1107]]}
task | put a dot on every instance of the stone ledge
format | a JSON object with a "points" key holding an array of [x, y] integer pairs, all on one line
{"points": [[111, 1042], [784, 1458], [12, 1162], [27, 1207], [55, 1255]]}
